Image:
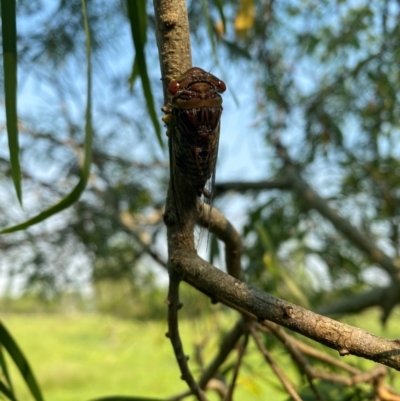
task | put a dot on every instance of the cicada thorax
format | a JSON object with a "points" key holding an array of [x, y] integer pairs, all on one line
{"points": [[196, 111]]}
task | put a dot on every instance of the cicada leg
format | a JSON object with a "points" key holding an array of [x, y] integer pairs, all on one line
{"points": [[166, 119]]}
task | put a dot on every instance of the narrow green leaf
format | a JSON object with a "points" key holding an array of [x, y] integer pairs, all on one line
{"points": [[212, 37], [134, 74], [4, 369], [9, 32], [77, 191], [20, 361], [138, 19], [220, 8], [4, 390], [210, 29]]}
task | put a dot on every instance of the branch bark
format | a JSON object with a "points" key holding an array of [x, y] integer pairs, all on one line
{"points": [[173, 41], [347, 340], [219, 225]]}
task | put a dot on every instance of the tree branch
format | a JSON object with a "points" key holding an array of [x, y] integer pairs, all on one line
{"points": [[241, 351], [219, 225], [227, 345], [339, 336], [290, 178], [355, 303], [173, 41], [294, 348], [281, 182], [276, 369], [313, 201]]}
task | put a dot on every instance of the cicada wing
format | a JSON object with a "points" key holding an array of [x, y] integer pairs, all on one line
{"points": [[180, 160], [209, 189], [209, 192], [172, 168], [174, 171]]}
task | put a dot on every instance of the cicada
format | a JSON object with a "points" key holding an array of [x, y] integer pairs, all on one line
{"points": [[194, 115]]}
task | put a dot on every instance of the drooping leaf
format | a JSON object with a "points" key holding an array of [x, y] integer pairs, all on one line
{"points": [[134, 74], [220, 8], [210, 28], [21, 362], [138, 21], [5, 391], [4, 370], [9, 33], [79, 188]]}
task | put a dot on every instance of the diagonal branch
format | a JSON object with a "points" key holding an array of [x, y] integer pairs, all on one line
{"points": [[313, 201], [344, 338], [355, 303], [241, 351], [294, 346], [274, 366], [290, 178]]}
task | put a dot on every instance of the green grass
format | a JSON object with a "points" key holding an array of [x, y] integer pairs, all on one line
{"points": [[80, 357]]}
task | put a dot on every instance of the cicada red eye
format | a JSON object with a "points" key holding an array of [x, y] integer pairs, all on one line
{"points": [[222, 86], [173, 87]]}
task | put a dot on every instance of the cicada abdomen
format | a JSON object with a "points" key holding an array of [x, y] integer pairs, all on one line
{"points": [[194, 124]]}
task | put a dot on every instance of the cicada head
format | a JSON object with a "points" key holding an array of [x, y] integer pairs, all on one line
{"points": [[196, 88]]}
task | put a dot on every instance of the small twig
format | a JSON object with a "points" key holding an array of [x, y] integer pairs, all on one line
{"points": [[286, 383], [173, 333], [219, 225], [241, 351], [383, 392], [218, 386], [227, 345], [355, 303], [280, 182], [291, 345], [313, 352]]}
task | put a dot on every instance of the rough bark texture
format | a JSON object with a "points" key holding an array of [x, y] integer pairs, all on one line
{"points": [[173, 40], [347, 340]]}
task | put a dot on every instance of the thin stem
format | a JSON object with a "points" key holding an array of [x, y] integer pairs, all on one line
{"points": [[274, 366], [173, 333]]}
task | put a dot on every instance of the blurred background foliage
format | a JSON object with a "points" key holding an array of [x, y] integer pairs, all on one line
{"points": [[323, 78], [319, 78]]}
